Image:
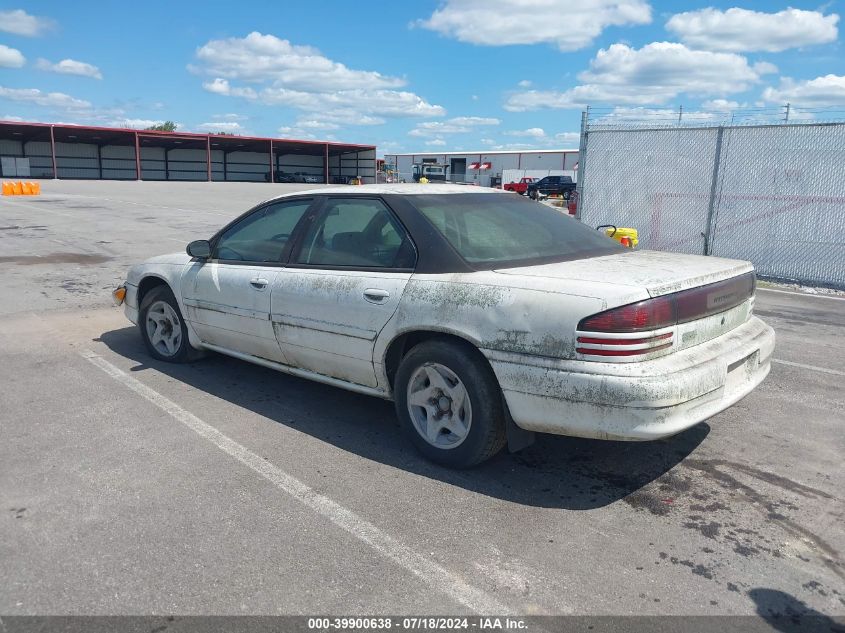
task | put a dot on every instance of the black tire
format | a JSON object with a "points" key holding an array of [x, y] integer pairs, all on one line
{"points": [[185, 353], [486, 435]]}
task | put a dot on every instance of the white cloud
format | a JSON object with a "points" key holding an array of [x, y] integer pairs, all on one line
{"points": [[828, 90], [294, 132], [533, 132], [514, 146], [19, 22], [720, 105], [525, 83], [259, 58], [273, 71], [317, 124], [64, 108], [383, 103], [221, 87], [11, 57], [70, 67], [569, 26], [764, 68], [437, 142], [654, 74], [737, 30], [474, 120], [230, 116], [231, 127], [668, 116], [569, 138], [47, 99], [538, 140], [456, 125], [139, 124]]}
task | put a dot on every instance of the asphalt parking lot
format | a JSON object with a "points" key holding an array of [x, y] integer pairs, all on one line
{"points": [[129, 486]]}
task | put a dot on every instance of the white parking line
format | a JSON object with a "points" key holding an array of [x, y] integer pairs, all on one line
{"points": [[824, 370], [802, 294], [432, 574]]}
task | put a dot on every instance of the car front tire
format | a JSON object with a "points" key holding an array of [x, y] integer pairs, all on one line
{"points": [[163, 329], [449, 404]]}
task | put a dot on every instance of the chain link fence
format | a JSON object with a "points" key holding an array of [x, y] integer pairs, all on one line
{"points": [[771, 194]]}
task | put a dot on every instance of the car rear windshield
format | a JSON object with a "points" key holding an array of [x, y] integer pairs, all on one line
{"points": [[501, 231]]}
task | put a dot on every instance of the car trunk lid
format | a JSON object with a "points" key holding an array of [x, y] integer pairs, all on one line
{"points": [[657, 272], [684, 300]]}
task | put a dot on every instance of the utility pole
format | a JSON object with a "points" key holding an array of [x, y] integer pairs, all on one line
{"points": [[582, 158], [786, 118], [680, 113]]}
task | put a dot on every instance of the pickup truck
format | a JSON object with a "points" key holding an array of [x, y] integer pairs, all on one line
{"points": [[520, 187], [551, 185]]}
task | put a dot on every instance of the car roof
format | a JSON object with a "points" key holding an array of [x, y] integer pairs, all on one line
{"points": [[408, 189]]}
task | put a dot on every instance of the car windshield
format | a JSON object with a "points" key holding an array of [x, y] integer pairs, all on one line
{"points": [[500, 231]]}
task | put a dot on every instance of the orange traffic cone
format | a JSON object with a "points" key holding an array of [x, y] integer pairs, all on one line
{"points": [[17, 188], [36, 188], [25, 189], [8, 189]]}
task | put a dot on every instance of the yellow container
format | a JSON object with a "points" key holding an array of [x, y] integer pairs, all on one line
{"points": [[621, 232]]}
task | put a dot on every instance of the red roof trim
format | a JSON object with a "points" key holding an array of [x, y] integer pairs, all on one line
{"points": [[188, 135]]}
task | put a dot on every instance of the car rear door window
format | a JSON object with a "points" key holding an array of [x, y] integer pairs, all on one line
{"points": [[263, 235], [356, 232]]}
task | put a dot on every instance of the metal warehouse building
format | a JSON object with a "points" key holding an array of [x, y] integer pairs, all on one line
{"points": [[39, 150], [489, 168]]}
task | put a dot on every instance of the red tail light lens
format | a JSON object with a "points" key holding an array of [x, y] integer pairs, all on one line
{"points": [[651, 314], [638, 329], [679, 307]]}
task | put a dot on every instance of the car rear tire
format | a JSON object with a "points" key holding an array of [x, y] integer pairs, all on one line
{"points": [[449, 403], [163, 329]]}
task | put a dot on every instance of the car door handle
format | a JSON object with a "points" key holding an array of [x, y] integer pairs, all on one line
{"points": [[376, 295], [258, 283]]}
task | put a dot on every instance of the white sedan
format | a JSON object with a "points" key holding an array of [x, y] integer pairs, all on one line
{"points": [[484, 316]]}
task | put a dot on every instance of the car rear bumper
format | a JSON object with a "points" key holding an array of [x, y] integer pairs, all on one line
{"points": [[635, 401]]}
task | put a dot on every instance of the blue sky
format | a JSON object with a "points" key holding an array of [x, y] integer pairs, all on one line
{"points": [[422, 76]]}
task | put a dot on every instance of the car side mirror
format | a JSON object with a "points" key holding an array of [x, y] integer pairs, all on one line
{"points": [[201, 249]]}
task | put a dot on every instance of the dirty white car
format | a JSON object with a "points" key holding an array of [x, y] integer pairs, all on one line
{"points": [[484, 316]]}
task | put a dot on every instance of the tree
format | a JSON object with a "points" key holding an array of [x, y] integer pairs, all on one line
{"points": [[167, 126]]}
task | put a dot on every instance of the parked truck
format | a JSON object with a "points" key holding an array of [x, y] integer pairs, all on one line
{"points": [[432, 172], [551, 186], [520, 187]]}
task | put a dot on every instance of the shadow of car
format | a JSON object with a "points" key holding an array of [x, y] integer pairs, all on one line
{"points": [[556, 472]]}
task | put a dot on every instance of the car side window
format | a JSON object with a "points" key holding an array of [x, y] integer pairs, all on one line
{"points": [[261, 236], [356, 232]]}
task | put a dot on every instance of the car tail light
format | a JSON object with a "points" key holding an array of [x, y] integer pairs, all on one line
{"points": [[647, 326], [650, 314]]}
